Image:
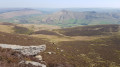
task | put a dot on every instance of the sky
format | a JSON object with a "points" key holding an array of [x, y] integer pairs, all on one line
{"points": [[60, 3]]}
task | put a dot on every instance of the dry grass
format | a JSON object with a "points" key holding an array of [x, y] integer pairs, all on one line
{"points": [[6, 28], [37, 27], [51, 38], [7, 38], [56, 39], [86, 38]]}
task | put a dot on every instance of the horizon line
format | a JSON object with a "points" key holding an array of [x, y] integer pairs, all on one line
{"points": [[65, 7]]}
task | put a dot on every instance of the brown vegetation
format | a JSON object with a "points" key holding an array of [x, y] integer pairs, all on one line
{"points": [[90, 30], [6, 23], [70, 51], [22, 30], [46, 32], [6, 38], [98, 53]]}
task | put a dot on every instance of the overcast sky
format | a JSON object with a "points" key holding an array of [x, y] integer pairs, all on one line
{"points": [[60, 3]]}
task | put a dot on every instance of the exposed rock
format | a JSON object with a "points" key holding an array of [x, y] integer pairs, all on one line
{"points": [[28, 50], [33, 63], [38, 57], [51, 52], [25, 50], [61, 50]]}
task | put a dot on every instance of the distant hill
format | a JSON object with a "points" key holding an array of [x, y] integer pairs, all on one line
{"points": [[4, 10], [63, 18], [20, 12], [69, 18]]}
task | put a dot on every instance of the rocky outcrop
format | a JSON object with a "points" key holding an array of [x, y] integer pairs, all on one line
{"points": [[33, 63], [28, 51], [25, 50]]}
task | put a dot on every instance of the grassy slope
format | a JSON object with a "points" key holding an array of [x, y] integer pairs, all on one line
{"points": [[20, 39], [37, 27], [103, 53], [81, 53], [77, 51], [85, 51], [91, 30], [7, 29]]}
